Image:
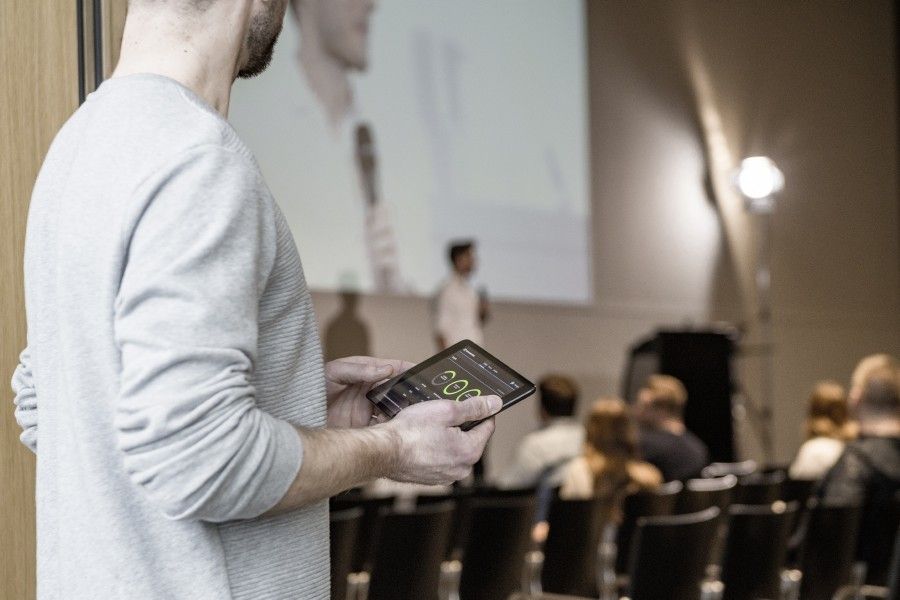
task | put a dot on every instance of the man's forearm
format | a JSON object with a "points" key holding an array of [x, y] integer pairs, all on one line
{"points": [[335, 460]]}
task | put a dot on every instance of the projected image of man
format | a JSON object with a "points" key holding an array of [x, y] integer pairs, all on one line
{"points": [[362, 248]]}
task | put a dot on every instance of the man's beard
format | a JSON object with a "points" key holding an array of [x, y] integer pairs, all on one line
{"points": [[264, 30]]}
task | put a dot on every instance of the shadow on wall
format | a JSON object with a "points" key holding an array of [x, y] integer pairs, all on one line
{"points": [[346, 334]]}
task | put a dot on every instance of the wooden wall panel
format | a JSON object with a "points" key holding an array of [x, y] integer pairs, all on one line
{"points": [[38, 91]]}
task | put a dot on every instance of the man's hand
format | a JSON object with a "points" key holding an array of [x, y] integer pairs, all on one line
{"points": [[422, 444], [346, 382], [431, 448]]}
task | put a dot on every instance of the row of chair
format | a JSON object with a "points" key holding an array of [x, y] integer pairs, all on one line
{"points": [[414, 548], [662, 549]]}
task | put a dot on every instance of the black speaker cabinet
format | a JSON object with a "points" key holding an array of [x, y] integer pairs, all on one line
{"points": [[702, 360]]}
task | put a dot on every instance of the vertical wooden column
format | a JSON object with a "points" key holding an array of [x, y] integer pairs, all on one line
{"points": [[38, 91]]}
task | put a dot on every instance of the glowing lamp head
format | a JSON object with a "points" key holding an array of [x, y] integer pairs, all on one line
{"points": [[759, 179]]}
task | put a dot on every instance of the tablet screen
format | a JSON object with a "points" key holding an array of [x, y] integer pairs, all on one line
{"points": [[460, 372]]}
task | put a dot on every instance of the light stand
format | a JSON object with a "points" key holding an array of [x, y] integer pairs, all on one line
{"points": [[759, 181]]}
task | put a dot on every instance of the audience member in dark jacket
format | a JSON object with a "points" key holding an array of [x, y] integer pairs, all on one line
{"points": [[868, 472], [664, 440]]}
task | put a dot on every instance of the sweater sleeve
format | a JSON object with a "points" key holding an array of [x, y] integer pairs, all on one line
{"points": [[199, 247], [26, 401]]}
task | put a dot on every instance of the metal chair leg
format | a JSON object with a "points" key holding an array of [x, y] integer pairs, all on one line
{"points": [[607, 552], [451, 570], [531, 574], [362, 587], [790, 584], [711, 590]]}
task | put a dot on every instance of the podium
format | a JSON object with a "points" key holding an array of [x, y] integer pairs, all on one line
{"points": [[702, 360]]}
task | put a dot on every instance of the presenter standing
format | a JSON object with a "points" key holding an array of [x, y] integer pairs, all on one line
{"points": [[460, 311]]}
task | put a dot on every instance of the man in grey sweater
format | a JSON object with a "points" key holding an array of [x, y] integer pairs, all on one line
{"points": [[187, 433]]}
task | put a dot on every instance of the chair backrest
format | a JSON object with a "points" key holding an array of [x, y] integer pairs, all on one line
{"points": [[463, 497], [369, 527], [738, 469], [877, 528], [489, 491], [494, 553], [344, 529], [755, 549], [570, 552], [670, 554], [700, 494], [758, 488], [797, 490], [828, 549], [407, 560], [643, 504], [893, 578]]}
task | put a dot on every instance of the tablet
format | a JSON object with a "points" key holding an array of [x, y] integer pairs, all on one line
{"points": [[464, 370]]}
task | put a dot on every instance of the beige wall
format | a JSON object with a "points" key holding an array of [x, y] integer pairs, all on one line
{"points": [[680, 92]]}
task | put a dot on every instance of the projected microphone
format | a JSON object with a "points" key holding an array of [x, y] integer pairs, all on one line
{"points": [[365, 159], [380, 240]]}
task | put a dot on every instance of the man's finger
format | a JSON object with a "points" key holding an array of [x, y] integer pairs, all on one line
{"points": [[481, 433], [475, 409], [349, 373]]}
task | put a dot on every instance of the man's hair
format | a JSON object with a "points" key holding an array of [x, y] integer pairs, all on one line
{"points": [[458, 248], [559, 395], [668, 395], [881, 394]]}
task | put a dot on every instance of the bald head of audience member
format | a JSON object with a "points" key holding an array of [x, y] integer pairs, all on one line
{"points": [[864, 369], [879, 402]]}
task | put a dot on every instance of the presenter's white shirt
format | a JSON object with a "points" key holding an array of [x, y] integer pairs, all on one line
{"points": [[457, 307]]}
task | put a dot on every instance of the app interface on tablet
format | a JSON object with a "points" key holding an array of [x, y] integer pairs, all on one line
{"points": [[464, 374]]}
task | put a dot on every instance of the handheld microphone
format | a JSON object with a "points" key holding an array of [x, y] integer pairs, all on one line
{"points": [[365, 159], [380, 240]]}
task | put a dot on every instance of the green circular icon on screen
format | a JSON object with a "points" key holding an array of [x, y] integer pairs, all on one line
{"points": [[455, 387], [443, 377], [468, 394]]}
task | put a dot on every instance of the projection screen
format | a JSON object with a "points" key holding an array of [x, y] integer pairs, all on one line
{"points": [[387, 130]]}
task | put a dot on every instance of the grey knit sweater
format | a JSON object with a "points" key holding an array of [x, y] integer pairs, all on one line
{"points": [[171, 347]]}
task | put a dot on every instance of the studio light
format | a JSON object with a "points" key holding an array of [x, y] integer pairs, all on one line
{"points": [[759, 179]]}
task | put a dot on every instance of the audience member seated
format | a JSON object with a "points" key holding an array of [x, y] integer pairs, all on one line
{"points": [[609, 467], [864, 368], [542, 454], [869, 469], [828, 427], [664, 440]]}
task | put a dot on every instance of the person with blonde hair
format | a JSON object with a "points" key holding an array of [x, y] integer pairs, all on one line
{"points": [[610, 467], [828, 427]]}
